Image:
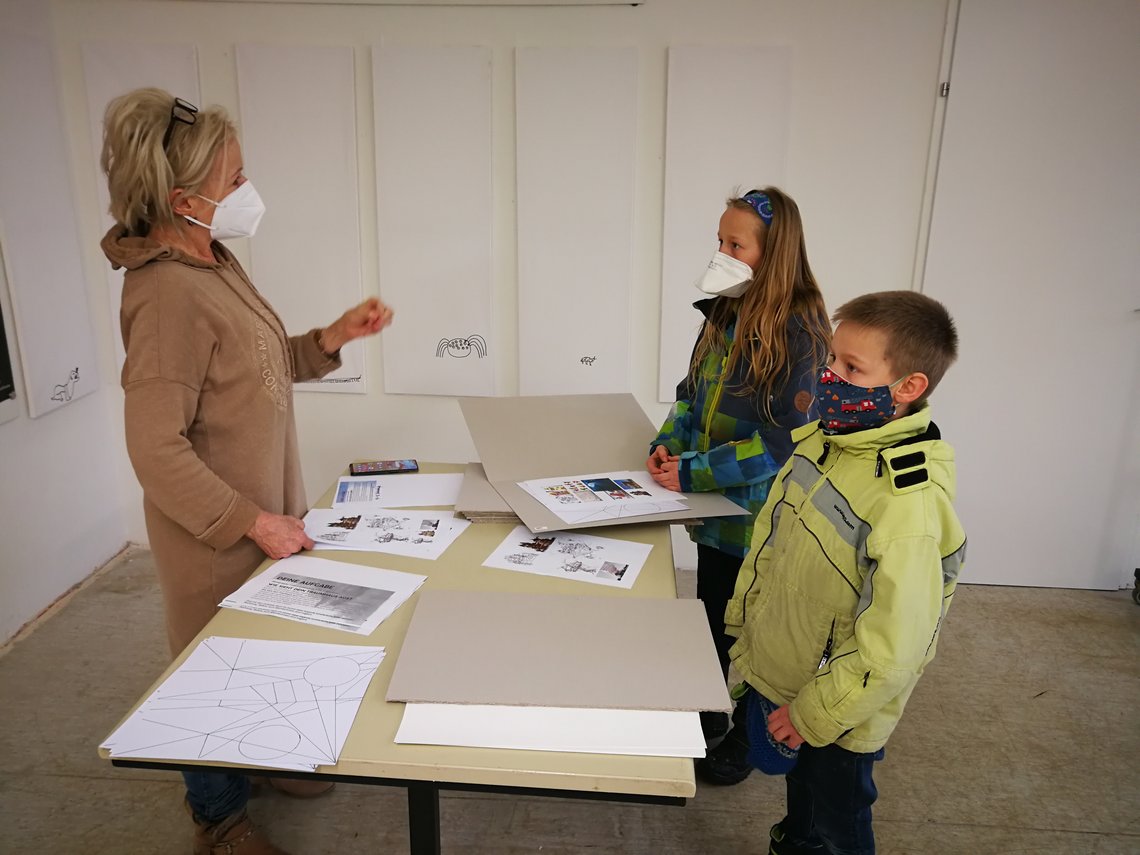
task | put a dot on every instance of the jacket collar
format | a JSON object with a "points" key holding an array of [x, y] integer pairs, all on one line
{"points": [[906, 430], [705, 306]]}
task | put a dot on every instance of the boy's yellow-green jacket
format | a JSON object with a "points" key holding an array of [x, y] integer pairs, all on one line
{"points": [[853, 564]]}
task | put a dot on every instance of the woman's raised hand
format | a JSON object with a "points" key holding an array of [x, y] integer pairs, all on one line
{"points": [[368, 318]]}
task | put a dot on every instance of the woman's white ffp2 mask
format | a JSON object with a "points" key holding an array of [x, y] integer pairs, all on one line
{"points": [[237, 215], [725, 277]]}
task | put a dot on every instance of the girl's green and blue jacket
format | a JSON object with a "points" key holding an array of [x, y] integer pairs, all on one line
{"points": [[725, 439]]}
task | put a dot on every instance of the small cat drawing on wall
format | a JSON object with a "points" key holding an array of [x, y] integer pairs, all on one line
{"points": [[588, 361], [64, 391], [462, 347]]}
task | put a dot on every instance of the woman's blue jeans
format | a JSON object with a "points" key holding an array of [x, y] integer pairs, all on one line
{"points": [[830, 793], [213, 796]]}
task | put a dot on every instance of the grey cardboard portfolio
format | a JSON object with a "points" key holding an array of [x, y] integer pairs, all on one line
{"points": [[550, 650], [549, 436]]}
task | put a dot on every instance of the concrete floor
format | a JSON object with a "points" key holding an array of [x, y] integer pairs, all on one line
{"points": [[1024, 736]]}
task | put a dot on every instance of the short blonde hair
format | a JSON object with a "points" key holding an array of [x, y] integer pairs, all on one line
{"points": [[140, 174], [921, 335]]}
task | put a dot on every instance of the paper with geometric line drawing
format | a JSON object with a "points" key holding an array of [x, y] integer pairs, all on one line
{"points": [[280, 704]]}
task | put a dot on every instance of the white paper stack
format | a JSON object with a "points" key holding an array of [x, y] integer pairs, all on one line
{"points": [[326, 593], [278, 704], [651, 733]]}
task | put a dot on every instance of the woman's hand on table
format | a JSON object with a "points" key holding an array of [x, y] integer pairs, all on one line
{"points": [[279, 536], [368, 318]]}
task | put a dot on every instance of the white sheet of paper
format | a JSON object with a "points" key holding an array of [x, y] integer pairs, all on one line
{"points": [[326, 593], [584, 492], [397, 491], [658, 733], [571, 555], [419, 534], [281, 704], [605, 513]]}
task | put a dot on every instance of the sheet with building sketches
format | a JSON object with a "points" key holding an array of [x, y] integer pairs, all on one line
{"points": [[571, 555], [419, 534], [326, 593], [609, 495], [280, 704], [400, 490], [654, 733]]}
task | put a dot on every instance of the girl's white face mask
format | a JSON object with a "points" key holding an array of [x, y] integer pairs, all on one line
{"points": [[725, 277], [237, 215]]}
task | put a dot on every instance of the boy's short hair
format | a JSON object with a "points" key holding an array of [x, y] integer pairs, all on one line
{"points": [[920, 332]]}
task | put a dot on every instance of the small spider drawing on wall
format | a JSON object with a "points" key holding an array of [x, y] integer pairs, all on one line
{"points": [[462, 347]]}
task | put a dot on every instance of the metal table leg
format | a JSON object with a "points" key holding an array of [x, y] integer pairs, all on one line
{"points": [[423, 817]]}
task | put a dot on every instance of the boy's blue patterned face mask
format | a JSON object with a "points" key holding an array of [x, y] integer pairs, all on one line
{"points": [[844, 406]]}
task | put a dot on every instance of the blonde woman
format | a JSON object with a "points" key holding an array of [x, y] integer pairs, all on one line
{"points": [[208, 384], [751, 381]]}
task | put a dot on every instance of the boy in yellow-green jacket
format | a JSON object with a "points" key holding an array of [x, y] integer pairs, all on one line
{"points": [[853, 564]]}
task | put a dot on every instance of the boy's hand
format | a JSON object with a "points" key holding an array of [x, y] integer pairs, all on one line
{"points": [[781, 727]]}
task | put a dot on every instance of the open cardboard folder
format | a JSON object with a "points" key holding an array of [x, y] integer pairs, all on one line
{"points": [[551, 436], [555, 650]]}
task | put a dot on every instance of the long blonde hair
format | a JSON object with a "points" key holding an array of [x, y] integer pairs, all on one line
{"points": [[782, 288], [140, 174]]}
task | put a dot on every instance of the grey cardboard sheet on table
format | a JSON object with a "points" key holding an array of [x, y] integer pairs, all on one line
{"points": [[549, 436], [550, 650]]}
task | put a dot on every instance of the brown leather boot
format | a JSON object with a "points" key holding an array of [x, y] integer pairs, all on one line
{"points": [[234, 835]]}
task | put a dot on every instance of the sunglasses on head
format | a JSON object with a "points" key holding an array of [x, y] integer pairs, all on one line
{"points": [[181, 112]]}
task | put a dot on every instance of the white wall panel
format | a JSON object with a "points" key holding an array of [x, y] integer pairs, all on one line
{"points": [[432, 108], [298, 129], [1033, 248], [37, 217], [577, 135], [727, 121]]}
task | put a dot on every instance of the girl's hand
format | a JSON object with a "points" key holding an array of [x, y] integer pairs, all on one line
{"points": [[781, 727], [669, 475], [659, 456], [368, 318]]}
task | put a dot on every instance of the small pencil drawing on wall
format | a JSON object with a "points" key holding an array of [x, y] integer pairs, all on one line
{"points": [[461, 348], [64, 391]]}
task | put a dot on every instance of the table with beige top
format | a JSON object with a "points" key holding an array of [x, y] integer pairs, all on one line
{"points": [[370, 756]]}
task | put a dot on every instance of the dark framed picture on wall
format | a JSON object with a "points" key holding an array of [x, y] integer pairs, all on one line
{"points": [[7, 380], [9, 406]]}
